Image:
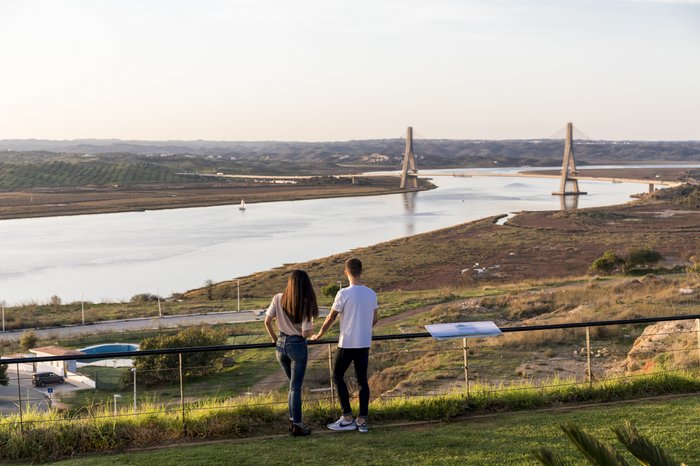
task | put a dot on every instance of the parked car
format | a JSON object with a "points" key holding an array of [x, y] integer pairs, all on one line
{"points": [[40, 379]]}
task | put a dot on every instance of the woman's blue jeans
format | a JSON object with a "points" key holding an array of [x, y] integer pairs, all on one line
{"points": [[292, 355]]}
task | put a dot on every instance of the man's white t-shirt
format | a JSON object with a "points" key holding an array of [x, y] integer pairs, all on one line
{"points": [[355, 305]]}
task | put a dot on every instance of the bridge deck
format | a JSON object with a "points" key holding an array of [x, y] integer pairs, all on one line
{"points": [[428, 173]]}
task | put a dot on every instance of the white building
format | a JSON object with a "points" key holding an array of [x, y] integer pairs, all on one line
{"points": [[59, 367]]}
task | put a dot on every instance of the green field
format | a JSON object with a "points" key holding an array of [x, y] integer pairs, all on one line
{"points": [[61, 173], [488, 440]]}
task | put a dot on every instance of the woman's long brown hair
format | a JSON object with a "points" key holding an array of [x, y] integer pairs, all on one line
{"points": [[299, 299]]}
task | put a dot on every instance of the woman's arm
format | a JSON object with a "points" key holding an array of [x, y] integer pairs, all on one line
{"points": [[326, 325], [270, 328], [307, 333]]}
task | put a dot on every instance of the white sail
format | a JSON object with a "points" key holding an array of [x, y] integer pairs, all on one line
{"points": [[242, 207]]}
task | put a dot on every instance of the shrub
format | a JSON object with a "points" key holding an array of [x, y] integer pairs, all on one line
{"points": [[164, 368], [642, 258], [330, 290], [28, 340], [143, 298], [694, 268], [607, 263]]}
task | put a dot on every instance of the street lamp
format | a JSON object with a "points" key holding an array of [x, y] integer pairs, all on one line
{"points": [[116, 395], [133, 371]]}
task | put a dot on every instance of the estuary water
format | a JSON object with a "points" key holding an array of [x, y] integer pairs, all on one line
{"points": [[111, 257]]}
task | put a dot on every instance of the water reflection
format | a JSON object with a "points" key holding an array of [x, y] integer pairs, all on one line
{"points": [[569, 202], [409, 205]]}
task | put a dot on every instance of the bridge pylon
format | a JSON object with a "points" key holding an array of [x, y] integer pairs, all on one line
{"points": [[409, 176], [568, 167]]}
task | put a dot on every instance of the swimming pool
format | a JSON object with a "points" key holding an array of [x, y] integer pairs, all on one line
{"points": [[110, 348]]}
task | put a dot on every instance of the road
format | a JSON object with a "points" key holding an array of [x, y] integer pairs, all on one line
{"points": [[144, 323]]}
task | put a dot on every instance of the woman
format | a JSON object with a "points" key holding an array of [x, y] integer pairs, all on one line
{"points": [[294, 310]]}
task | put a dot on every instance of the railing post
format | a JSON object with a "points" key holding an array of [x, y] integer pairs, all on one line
{"points": [[330, 372], [133, 371], [588, 357], [697, 327], [465, 349], [19, 397], [182, 393]]}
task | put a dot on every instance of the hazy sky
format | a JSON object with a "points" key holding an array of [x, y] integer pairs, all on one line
{"points": [[357, 69]]}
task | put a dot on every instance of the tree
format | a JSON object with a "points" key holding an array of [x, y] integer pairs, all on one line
{"points": [[55, 302], [164, 368], [607, 263], [28, 340], [330, 290], [209, 287], [641, 258]]}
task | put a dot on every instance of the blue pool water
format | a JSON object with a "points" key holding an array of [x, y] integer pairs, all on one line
{"points": [[110, 348]]}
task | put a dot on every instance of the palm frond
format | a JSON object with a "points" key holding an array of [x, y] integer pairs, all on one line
{"points": [[548, 458], [596, 452], [646, 452]]}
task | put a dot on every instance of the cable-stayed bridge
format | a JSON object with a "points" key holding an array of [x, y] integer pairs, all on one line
{"points": [[409, 173]]}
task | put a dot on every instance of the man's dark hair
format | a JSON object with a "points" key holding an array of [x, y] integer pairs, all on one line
{"points": [[354, 267]]}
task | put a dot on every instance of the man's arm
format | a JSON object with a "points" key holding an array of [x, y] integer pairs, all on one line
{"points": [[326, 324], [375, 319], [270, 329]]}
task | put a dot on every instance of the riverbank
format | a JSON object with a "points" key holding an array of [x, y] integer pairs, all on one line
{"points": [[671, 174], [51, 202], [541, 245]]}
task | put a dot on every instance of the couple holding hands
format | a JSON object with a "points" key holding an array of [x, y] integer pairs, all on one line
{"points": [[294, 311]]}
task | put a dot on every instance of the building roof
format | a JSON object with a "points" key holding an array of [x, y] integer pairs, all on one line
{"points": [[54, 351], [15, 356]]}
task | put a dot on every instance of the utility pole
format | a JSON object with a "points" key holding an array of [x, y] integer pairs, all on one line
{"points": [[82, 306], [160, 311], [3, 315], [238, 287]]}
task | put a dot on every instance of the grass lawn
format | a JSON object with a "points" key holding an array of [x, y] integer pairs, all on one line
{"points": [[497, 439]]}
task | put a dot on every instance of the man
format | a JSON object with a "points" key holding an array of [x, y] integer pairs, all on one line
{"points": [[357, 307]]}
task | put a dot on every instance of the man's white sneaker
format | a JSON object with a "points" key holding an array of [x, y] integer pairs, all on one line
{"points": [[342, 424], [362, 427]]}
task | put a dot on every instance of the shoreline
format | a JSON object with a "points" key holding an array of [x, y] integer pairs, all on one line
{"points": [[90, 200], [62, 202]]}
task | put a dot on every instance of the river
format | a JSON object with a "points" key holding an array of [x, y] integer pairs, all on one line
{"points": [[111, 257]]}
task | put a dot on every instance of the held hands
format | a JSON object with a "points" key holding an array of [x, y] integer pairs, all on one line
{"points": [[315, 337]]}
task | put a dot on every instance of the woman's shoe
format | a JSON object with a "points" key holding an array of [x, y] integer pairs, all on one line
{"points": [[291, 425], [300, 430]]}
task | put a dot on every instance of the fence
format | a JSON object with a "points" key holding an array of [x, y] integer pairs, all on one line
{"points": [[402, 365]]}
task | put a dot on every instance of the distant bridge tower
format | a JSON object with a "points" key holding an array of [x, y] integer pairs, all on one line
{"points": [[409, 179], [568, 167]]}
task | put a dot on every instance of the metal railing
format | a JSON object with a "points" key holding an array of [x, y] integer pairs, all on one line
{"points": [[408, 364]]}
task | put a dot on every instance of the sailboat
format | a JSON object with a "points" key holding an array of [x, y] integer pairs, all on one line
{"points": [[242, 207]]}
